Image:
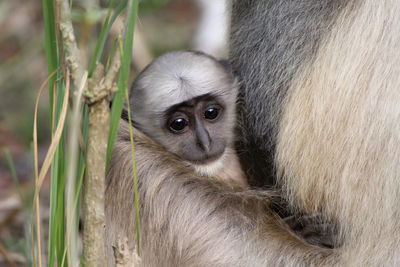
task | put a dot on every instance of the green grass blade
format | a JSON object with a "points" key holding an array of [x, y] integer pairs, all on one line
{"points": [[52, 64], [53, 206], [105, 29], [135, 182], [57, 192], [118, 101], [50, 43]]}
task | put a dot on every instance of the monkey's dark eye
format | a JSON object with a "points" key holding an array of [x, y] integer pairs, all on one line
{"points": [[178, 125], [211, 113]]}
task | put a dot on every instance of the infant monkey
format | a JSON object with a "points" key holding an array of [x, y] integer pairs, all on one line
{"points": [[186, 101]]}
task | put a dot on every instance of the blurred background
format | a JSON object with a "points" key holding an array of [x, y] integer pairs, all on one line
{"points": [[162, 25]]}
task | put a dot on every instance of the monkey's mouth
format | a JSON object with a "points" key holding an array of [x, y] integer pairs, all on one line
{"points": [[208, 166], [207, 159]]}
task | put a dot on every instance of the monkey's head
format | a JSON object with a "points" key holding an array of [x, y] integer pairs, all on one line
{"points": [[185, 101]]}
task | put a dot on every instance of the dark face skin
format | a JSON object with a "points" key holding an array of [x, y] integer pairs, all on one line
{"points": [[197, 129]]}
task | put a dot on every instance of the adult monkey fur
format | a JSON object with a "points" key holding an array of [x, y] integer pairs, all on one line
{"points": [[321, 83]]}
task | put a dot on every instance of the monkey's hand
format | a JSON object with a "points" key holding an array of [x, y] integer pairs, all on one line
{"points": [[313, 230]]}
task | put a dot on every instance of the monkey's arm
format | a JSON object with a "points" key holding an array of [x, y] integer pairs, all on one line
{"points": [[190, 221]]}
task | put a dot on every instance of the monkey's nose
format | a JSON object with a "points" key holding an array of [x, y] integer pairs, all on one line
{"points": [[204, 144], [206, 147], [203, 139]]}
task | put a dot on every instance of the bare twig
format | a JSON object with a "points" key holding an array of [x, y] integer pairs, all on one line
{"points": [[69, 42], [112, 72], [94, 186], [96, 96], [141, 55]]}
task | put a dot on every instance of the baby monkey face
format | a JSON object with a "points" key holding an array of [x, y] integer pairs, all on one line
{"points": [[197, 129], [185, 101]]}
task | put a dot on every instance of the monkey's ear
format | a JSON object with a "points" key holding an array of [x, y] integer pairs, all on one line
{"points": [[227, 65]]}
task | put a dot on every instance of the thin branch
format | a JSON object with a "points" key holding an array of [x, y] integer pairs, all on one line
{"points": [[112, 72], [94, 186], [69, 42]]}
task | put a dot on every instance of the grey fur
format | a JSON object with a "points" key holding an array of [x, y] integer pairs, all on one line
{"points": [[270, 41]]}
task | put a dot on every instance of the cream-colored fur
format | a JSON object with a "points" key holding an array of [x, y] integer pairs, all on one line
{"points": [[227, 169], [339, 142]]}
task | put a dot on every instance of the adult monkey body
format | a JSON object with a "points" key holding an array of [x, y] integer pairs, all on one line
{"points": [[329, 71]]}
